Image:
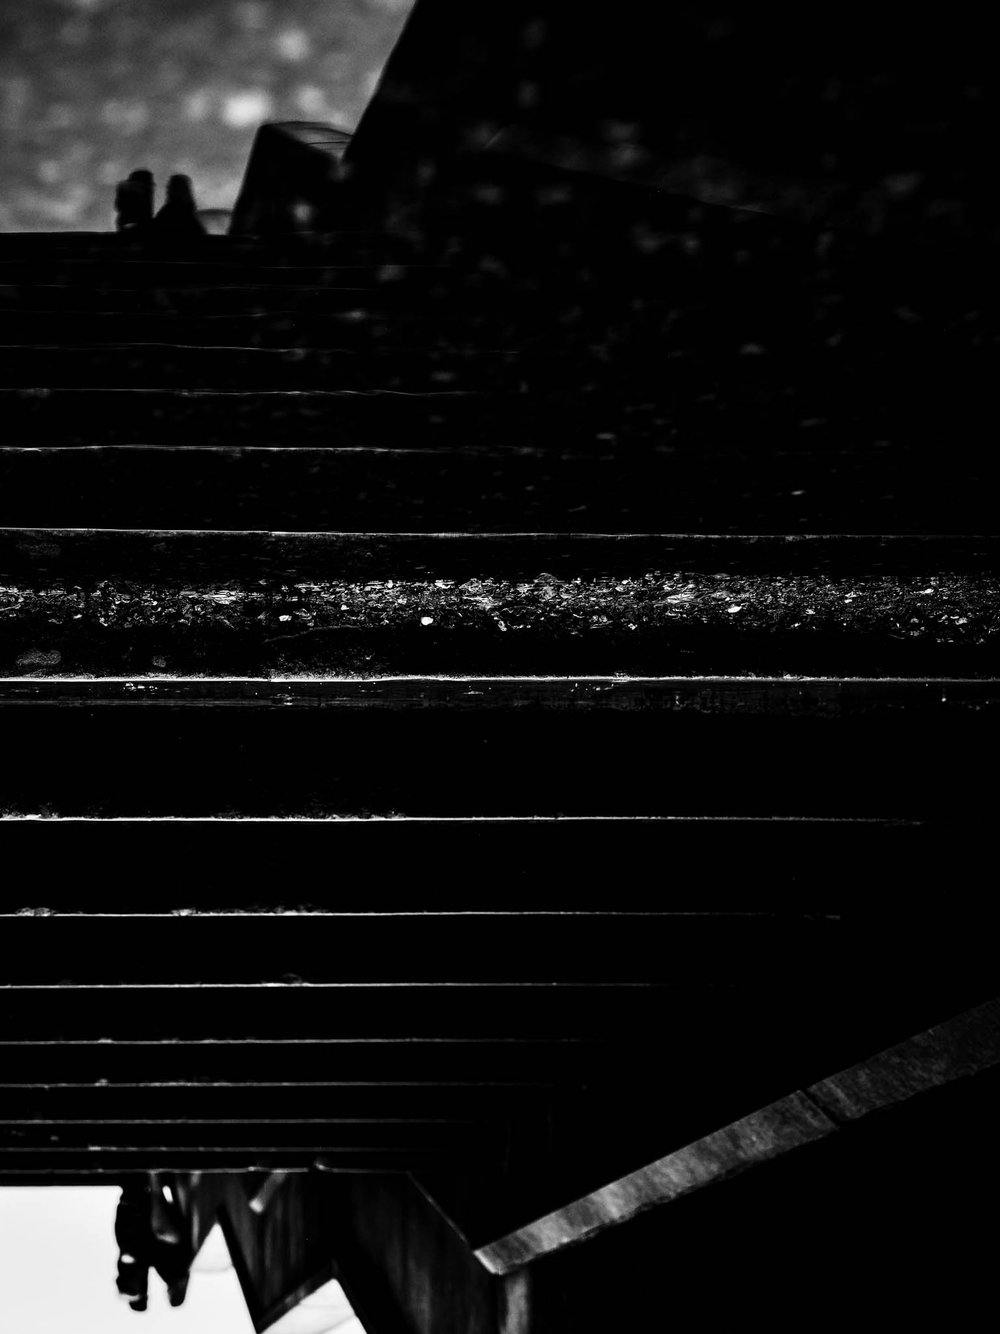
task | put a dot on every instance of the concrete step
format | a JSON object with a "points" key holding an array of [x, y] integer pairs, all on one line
{"points": [[880, 868], [123, 604], [398, 1012], [426, 484], [301, 1063], [299, 1137], [366, 321], [155, 761], [213, 1103], [760, 1046], [118, 247], [579, 392], [361, 315], [63, 1165], [269, 1032], [179, 366], [432, 949], [195, 269], [344, 287], [43, 417]]}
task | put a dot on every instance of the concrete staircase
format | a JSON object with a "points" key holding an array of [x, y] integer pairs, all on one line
{"points": [[433, 745]]}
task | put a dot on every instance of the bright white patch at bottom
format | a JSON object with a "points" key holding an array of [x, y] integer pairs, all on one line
{"points": [[58, 1264], [325, 1310]]}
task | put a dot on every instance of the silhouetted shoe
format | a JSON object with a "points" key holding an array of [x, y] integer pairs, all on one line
{"points": [[176, 1292], [138, 1304]]}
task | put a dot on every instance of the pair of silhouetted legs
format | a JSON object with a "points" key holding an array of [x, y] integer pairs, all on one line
{"points": [[134, 207], [152, 1232]]}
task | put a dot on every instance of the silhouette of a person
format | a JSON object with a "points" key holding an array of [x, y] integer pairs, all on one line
{"points": [[134, 202], [152, 1232], [179, 214]]}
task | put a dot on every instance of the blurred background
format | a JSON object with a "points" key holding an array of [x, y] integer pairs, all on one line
{"points": [[93, 89]]}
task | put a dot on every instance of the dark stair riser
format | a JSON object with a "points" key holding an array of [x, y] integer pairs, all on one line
{"points": [[877, 868], [428, 484], [483, 1105], [446, 1138], [148, 1158], [177, 761], [587, 1035], [377, 1066], [426, 948]]}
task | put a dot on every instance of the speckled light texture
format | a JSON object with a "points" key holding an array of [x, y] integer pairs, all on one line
{"points": [[92, 89]]}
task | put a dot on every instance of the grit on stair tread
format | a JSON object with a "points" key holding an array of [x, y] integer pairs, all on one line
{"points": [[183, 603], [785, 696]]}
